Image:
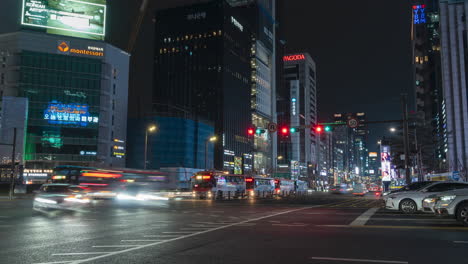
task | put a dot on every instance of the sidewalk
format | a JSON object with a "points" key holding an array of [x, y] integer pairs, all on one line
{"points": [[16, 196]]}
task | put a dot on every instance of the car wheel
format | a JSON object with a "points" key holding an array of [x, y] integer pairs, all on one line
{"points": [[408, 206], [462, 214]]}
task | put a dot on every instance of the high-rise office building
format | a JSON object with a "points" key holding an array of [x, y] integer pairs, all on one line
{"points": [[453, 26], [353, 143], [297, 107], [73, 84], [430, 128], [203, 72]]}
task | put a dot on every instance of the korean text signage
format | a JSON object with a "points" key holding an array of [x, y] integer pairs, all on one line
{"points": [[78, 18], [69, 114], [64, 47], [294, 57]]}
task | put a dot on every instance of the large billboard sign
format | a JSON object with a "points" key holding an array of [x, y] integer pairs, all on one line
{"points": [[69, 114], [76, 18], [385, 163]]}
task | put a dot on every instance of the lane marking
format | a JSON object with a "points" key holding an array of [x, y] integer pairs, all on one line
{"points": [[362, 219], [193, 228], [361, 260], [114, 246], [178, 232], [461, 242], [401, 227], [141, 240], [161, 236], [189, 235], [78, 254]]}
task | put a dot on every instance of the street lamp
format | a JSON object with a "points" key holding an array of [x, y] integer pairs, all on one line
{"points": [[392, 129], [280, 157], [210, 139], [149, 129]]}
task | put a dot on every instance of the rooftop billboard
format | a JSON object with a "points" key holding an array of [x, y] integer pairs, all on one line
{"points": [[76, 18]]}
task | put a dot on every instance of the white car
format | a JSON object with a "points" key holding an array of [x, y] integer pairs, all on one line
{"points": [[410, 200], [453, 203]]}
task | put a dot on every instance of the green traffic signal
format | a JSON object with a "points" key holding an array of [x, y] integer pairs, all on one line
{"points": [[258, 131], [293, 130], [328, 128]]}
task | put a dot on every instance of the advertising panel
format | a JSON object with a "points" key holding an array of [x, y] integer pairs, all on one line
{"points": [[76, 18], [385, 158], [69, 114], [237, 165]]}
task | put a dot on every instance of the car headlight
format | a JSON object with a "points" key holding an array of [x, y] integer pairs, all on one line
{"points": [[430, 200], [448, 198], [47, 201]]}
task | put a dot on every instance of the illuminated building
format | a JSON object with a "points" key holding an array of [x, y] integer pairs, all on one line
{"points": [[76, 92], [431, 131], [454, 58], [352, 142], [202, 71], [297, 106]]}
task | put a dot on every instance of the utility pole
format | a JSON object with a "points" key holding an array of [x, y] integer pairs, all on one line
{"points": [[404, 105]]}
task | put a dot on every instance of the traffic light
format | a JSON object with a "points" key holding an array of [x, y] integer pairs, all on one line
{"points": [[318, 129], [328, 128], [259, 131], [293, 130], [250, 131], [284, 131]]}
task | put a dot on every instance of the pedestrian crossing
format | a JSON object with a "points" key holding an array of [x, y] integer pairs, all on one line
{"points": [[355, 203]]}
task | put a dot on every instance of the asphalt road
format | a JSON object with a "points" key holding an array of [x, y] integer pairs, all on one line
{"points": [[320, 229]]}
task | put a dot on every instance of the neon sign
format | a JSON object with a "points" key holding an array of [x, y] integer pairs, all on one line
{"points": [[69, 114], [419, 14], [294, 57]]}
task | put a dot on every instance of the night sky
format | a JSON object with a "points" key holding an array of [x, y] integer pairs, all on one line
{"points": [[361, 47]]}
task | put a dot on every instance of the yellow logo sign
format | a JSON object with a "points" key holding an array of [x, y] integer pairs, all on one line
{"points": [[63, 47]]}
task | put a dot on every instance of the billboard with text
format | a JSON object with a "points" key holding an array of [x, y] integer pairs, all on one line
{"points": [[76, 18]]}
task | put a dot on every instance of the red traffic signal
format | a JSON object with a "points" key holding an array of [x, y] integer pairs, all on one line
{"points": [[284, 130], [250, 131], [319, 129]]}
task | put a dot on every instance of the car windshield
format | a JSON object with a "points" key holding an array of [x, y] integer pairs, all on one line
{"points": [[415, 186]]}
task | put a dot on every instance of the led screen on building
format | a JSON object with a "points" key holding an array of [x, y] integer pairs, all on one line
{"points": [[77, 18], [69, 114]]}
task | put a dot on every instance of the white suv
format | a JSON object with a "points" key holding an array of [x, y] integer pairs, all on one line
{"points": [[453, 203], [411, 201]]}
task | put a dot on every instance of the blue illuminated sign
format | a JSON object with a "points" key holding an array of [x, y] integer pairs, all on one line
{"points": [[69, 114], [419, 14]]}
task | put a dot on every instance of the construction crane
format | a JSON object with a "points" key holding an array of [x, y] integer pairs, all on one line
{"points": [[136, 28]]}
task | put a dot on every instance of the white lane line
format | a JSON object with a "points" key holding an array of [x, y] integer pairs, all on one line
{"points": [[362, 219], [119, 225], [78, 254], [361, 260], [141, 240], [178, 232], [114, 246], [274, 221], [461, 242], [161, 236], [189, 235]]}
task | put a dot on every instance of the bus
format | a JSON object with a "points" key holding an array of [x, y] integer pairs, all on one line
{"points": [[106, 183], [259, 187], [218, 185], [284, 187]]}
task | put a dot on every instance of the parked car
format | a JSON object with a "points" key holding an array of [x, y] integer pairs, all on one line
{"points": [[410, 187], [340, 189], [453, 203], [374, 188], [60, 196], [411, 201]]}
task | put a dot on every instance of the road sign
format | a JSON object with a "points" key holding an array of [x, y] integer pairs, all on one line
{"points": [[272, 127], [456, 175], [352, 123]]}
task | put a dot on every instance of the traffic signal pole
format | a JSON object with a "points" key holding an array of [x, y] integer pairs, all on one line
{"points": [[404, 106]]}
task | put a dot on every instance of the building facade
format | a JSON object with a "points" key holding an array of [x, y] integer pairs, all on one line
{"points": [[453, 26], [430, 106], [297, 108], [203, 70], [76, 91]]}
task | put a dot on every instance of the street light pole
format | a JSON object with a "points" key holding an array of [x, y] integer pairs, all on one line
{"points": [[406, 138], [210, 139], [150, 128]]}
